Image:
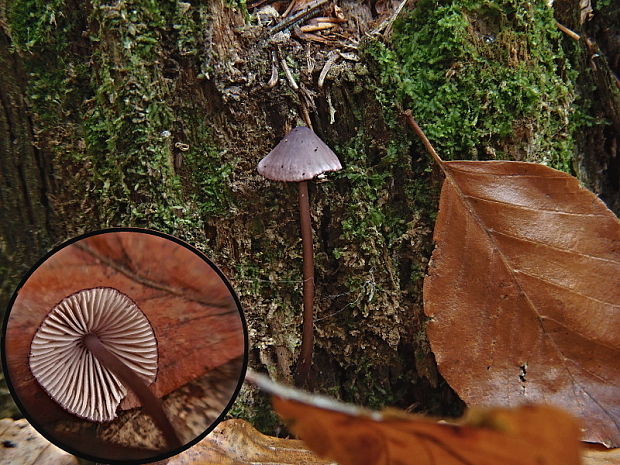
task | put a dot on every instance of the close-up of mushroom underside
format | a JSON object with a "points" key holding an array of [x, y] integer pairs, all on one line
{"points": [[123, 309]]}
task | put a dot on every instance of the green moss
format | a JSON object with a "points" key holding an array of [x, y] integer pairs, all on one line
{"points": [[379, 206], [43, 33], [38, 24], [209, 173], [240, 5], [368, 214], [125, 127], [600, 4], [480, 77], [121, 123], [270, 277], [186, 25]]}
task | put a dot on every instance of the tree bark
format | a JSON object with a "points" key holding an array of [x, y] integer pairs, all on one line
{"points": [[25, 178], [25, 213], [598, 61]]}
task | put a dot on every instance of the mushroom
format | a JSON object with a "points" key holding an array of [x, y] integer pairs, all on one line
{"points": [[299, 157], [85, 344]]}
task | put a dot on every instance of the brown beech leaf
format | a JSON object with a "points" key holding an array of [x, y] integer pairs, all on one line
{"points": [[21, 444], [595, 454], [237, 442], [523, 291], [527, 435]]}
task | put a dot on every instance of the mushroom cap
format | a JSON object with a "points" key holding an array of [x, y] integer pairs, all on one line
{"points": [[300, 156], [69, 372]]}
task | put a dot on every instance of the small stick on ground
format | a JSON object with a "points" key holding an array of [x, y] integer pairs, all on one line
{"points": [[310, 10], [306, 115], [289, 75], [568, 32], [274, 71], [331, 59], [427, 144]]}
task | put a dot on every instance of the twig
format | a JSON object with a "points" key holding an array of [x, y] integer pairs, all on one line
{"points": [[317, 27], [289, 8], [297, 32], [328, 19], [387, 23], [568, 32], [288, 74], [592, 47], [274, 71], [306, 115], [310, 61], [297, 17], [330, 108], [427, 144], [331, 59]]}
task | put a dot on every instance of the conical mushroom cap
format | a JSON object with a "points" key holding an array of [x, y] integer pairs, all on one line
{"points": [[300, 156]]}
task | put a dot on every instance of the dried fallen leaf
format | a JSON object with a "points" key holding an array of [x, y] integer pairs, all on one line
{"points": [[594, 454], [523, 293], [527, 435], [236, 442], [21, 444]]}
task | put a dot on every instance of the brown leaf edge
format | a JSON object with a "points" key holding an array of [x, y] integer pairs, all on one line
{"points": [[351, 435]]}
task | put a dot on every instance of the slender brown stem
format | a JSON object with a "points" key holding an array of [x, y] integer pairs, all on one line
{"points": [[150, 403], [305, 358], [427, 143]]}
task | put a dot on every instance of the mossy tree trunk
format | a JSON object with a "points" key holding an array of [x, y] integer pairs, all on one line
{"points": [[155, 113], [597, 59], [25, 229], [25, 213]]}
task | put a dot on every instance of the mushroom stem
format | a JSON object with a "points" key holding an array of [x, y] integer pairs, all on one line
{"points": [[305, 358], [150, 403]]}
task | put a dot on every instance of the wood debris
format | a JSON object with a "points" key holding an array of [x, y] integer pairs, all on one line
{"points": [[309, 20], [331, 31]]}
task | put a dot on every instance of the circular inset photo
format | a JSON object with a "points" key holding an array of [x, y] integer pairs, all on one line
{"points": [[124, 345]]}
